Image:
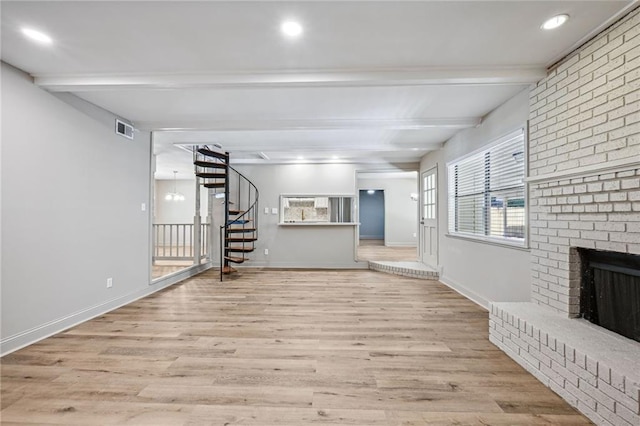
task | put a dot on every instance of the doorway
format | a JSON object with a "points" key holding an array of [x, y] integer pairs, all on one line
{"points": [[396, 237], [372, 215], [429, 217]]}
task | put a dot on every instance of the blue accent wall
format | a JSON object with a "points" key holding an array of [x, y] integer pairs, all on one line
{"points": [[371, 215]]}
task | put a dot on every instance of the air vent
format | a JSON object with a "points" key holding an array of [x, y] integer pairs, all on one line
{"points": [[124, 129]]}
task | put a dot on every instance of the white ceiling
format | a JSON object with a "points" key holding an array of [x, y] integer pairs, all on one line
{"points": [[366, 82]]}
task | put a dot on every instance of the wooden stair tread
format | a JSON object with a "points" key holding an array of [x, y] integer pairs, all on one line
{"points": [[210, 165], [240, 249], [211, 175], [214, 185], [214, 154], [235, 259], [238, 221], [236, 230], [241, 239], [235, 212], [228, 269]]}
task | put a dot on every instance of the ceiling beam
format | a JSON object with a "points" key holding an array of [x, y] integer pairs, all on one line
{"points": [[279, 79], [309, 124], [375, 147]]}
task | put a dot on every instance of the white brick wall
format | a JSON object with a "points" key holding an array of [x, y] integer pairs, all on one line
{"points": [[598, 212], [584, 191], [587, 111], [584, 114], [605, 387]]}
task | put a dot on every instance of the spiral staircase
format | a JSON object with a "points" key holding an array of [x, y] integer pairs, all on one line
{"points": [[239, 230]]}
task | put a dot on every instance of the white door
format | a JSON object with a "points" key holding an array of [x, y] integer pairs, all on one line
{"points": [[429, 217]]}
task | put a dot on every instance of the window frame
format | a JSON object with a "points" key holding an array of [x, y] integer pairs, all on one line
{"points": [[481, 152]]}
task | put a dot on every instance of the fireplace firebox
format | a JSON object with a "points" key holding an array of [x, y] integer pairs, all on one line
{"points": [[610, 291]]}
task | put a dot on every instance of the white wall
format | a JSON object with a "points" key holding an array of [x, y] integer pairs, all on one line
{"points": [[178, 211], [483, 272], [400, 211], [71, 214], [303, 246]]}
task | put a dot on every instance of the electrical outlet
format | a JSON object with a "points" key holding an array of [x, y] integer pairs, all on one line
{"points": [[266, 251], [274, 210], [109, 282], [266, 210], [143, 207], [415, 235]]}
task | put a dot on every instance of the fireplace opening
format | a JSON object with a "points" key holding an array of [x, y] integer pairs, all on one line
{"points": [[610, 291]]}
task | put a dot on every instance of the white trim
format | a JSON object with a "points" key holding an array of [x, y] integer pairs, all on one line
{"points": [[513, 75], [495, 142], [401, 244], [490, 240], [360, 264], [316, 194], [620, 165], [462, 290], [310, 124], [151, 207], [33, 335], [502, 241]]}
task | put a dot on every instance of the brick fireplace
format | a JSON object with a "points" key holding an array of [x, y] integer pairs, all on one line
{"points": [[584, 192]]}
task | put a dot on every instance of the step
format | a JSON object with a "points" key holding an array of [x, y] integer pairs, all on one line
{"points": [[228, 269], [407, 269], [211, 175], [238, 221], [235, 259], [238, 230], [210, 165], [236, 212], [240, 249], [241, 239], [214, 154], [214, 185]]}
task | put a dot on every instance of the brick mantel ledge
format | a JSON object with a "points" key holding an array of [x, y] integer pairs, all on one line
{"points": [[622, 164], [593, 369]]}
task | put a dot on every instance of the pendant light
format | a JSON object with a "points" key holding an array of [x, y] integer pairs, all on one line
{"points": [[175, 195]]}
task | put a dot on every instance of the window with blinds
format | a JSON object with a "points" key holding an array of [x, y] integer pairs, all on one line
{"points": [[487, 192]]}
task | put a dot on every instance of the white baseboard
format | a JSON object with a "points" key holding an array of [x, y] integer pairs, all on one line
{"points": [[35, 334], [469, 294], [401, 244], [307, 265]]}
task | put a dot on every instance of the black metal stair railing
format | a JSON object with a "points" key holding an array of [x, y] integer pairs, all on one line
{"points": [[239, 231]]}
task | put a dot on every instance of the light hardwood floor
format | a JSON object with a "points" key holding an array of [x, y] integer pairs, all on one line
{"points": [[376, 250], [165, 267], [280, 348]]}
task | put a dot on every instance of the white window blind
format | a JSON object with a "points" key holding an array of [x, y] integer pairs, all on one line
{"points": [[487, 192]]}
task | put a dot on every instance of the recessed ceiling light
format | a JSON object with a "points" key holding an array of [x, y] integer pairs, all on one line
{"points": [[555, 22], [371, 192], [38, 36], [291, 28], [300, 157], [335, 157]]}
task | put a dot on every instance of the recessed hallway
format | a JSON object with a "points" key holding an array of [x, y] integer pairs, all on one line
{"points": [[280, 348]]}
